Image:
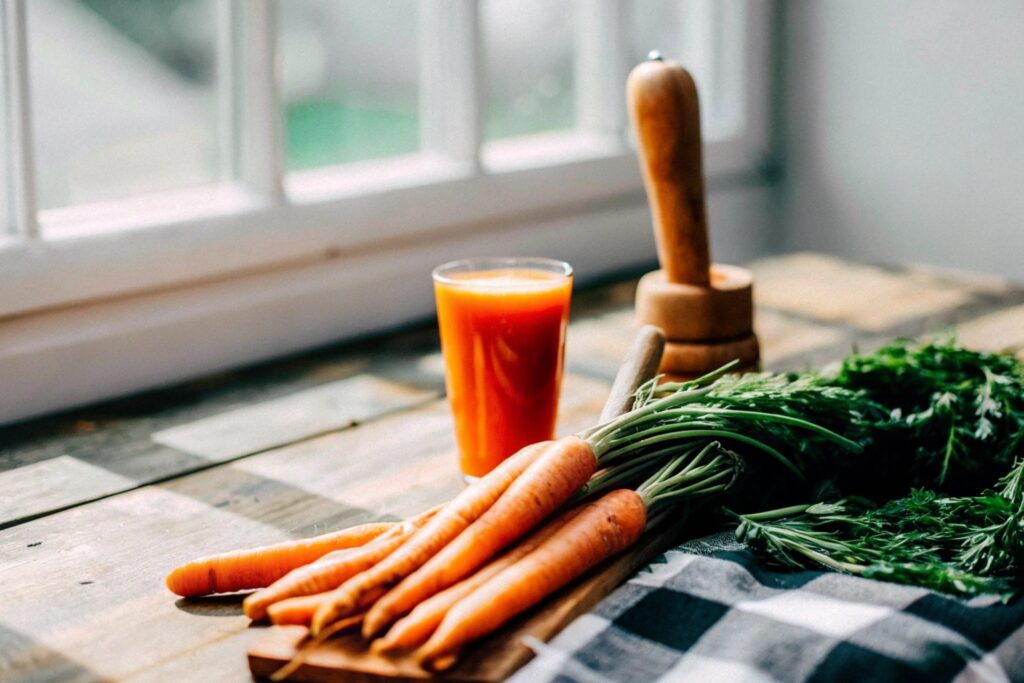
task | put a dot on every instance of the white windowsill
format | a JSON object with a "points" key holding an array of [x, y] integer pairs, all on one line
{"points": [[170, 240]]}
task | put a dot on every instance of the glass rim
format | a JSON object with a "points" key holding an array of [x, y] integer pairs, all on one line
{"points": [[560, 269]]}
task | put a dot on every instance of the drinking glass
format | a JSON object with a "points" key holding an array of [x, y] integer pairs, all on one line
{"points": [[502, 323]]}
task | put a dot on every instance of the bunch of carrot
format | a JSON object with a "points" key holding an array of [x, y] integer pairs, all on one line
{"points": [[437, 574], [540, 519]]}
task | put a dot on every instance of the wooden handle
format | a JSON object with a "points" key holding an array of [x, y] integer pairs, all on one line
{"points": [[665, 113], [641, 364]]}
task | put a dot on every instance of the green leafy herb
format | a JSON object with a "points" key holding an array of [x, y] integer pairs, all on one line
{"points": [[958, 414], [954, 427], [921, 539]]}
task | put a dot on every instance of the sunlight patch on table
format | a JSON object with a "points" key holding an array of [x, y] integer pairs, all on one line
{"points": [[54, 483], [866, 297], [784, 338], [265, 425], [995, 332]]}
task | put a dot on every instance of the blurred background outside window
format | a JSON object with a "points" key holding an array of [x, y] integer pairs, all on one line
{"points": [[349, 80], [124, 97], [125, 92], [537, 95]]}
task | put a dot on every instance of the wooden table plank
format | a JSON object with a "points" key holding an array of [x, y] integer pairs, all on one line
{"points": [[121, 445], [868, 298], [82, 596], [999, 331], [89, 580], [67, 480], [268, 424], [47, 485], [120, 429], [787, 341]]}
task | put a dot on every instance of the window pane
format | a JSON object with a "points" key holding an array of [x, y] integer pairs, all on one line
{"points": [[350, 71], [5, 211], [679, 30], [528, 47], [123, 97]]}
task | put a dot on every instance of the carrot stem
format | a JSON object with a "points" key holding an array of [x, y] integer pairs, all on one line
{"points": [[689, 476]]}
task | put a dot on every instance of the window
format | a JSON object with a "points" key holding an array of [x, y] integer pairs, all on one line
{"points": [[537, 36], [6, 212], [349, 80], [217, 163], [123, 98]]}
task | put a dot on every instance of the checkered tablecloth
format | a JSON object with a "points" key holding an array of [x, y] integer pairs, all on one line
{"points": [[708, 611]]}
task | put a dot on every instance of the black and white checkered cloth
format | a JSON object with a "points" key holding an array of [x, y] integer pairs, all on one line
{"points": [[708, 611]]}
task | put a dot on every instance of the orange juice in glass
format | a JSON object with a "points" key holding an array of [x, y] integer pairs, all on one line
{"points": [[502, 323]]}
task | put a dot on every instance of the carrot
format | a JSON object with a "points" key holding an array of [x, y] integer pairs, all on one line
{"points": [[362, 590], [601, 529], [297, 610], [415, 628], [320, 576], [539, 491], [331, 570], [259, 567]]}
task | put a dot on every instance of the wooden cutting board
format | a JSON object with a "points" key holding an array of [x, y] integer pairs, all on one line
{"points": [[495, 658]]}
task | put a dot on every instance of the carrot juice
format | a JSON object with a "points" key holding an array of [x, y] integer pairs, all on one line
{"points": [[502, 325]]}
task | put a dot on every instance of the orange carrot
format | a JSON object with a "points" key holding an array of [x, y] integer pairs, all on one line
{"points": [[320, 576], [331, 570], [415, 628], [362, 590], [601, 529], [539, 491], [297, 610], [259, 567]]}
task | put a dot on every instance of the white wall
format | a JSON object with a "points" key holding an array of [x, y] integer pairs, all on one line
{"points": [[903, 130]]}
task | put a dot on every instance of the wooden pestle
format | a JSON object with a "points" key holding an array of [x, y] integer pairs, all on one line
{"points": [[640, 364], [705, 310], [665, 112]]}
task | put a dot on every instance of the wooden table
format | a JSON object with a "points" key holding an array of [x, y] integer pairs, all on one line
{"points": [[96, 505]]}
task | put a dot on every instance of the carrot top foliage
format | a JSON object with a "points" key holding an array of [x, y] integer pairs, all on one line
{"points": [[788, 431], [945, 472], [957, 415], [964, 544], [905, 464]]}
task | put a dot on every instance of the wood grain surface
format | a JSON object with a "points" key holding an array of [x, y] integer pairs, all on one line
{"points": [[107, 511], [89, 581]]}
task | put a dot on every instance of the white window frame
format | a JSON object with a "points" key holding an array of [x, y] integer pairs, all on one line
{"points": [[76, 281]]}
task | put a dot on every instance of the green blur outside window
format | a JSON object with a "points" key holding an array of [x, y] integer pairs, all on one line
{"points": [[349, 80]]}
